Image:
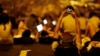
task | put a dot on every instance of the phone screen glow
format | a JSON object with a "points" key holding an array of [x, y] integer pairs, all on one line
{"points": [[39, 27]]}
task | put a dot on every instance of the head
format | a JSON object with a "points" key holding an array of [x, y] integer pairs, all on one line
{"points": [[93, 14], [69, 9], [26, 33], [4, 18], [49, 19], [34, 17], [1, 9], [81, 14], [44, 33]]}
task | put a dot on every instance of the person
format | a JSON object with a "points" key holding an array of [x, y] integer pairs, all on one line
{"points": [[70, 29], [5, 29], [91, 44], [47, 32], [91, 28], [48, 27], [92, 25], [25, 39], [83, 22], [31, 22], [1, 9], [20, 25], [14, 25]]}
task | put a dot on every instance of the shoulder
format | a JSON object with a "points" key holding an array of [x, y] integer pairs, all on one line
{"points": [[67, 17]]}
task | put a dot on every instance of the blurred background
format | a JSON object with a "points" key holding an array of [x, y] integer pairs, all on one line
{"points": [[42, 7], [37, 7], [31, 9]]}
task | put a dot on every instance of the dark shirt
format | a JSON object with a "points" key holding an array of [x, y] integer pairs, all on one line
{"points": [[23, 40]]}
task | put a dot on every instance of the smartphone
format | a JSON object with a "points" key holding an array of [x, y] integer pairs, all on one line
{"points": [[45, 21], [39, 27], [54, 22], [69, 10]]}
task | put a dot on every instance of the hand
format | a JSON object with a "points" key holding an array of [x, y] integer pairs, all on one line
{"points": [[79, 46], [63, 12], [74, 14], [98, 45], [94, 43]]}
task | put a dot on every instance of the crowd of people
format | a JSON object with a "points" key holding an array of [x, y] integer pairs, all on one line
{"points": [[74, 33]]}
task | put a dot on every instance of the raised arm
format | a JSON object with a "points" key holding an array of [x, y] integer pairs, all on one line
{"points": [[56, 30], [78, 33]]}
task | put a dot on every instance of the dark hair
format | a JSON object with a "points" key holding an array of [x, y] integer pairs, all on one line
{"points": [[13, 22], [26, 33], [1, 9], [4, 18], [70, 7], [44, 33], [81, 14], [48, 17], [33, 16], [93, 14]]}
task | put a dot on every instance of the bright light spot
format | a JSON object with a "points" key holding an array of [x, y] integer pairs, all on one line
{"points": [[39, 27], [45, 21], [54, 22], [69, 10]]}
